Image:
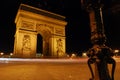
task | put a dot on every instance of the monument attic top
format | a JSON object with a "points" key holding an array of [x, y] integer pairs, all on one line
{"points": [[40, 11]]}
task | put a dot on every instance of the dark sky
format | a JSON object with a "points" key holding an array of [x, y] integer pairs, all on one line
{"points": [[77, 29]]}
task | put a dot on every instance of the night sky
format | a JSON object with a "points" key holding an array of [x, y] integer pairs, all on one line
{"points": [[77, 29]]}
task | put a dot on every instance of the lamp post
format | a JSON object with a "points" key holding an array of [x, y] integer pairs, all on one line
{"points": [[100, 55]]}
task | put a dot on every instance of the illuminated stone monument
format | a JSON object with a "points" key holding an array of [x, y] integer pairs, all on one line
{"points": [[31, 21]]}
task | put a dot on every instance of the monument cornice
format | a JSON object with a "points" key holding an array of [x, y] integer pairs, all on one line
{"points": [[40, 17]]}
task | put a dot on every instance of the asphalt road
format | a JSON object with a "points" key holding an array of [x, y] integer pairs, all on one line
{"points": [[47, 69]]}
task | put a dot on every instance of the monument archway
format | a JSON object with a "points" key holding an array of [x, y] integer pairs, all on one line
{"points": [[31, 21]]}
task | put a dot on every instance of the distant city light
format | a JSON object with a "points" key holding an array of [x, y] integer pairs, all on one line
{"points": [[84, 54], [11, 54], [116, 51], [1, 53], [73, 55], [68, 55]]}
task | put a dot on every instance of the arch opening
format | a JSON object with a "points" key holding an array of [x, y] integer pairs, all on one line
{"points": [[39, 44], [44, 35]]}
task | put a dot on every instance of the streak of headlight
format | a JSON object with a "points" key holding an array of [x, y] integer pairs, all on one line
{"points": [[43, 60]]}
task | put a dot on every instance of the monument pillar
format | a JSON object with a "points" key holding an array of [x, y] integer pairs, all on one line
{"points": [[25, 43], [58, 46]]}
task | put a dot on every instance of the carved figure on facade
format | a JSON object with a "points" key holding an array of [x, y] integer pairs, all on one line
{"points": [[26, 44], [60, 47]]}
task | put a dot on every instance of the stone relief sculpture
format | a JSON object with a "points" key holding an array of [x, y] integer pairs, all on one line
{"points": [[59, 47], [27, 25], [43, 26], [26, 44]]}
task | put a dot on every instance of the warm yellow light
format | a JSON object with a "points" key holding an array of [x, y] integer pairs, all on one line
{"points": [[73, 55], [116, 51], [11, 54], [84, 54], [2, 53], [68, 55]]}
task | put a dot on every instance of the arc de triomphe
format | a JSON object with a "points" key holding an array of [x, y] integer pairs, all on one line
{"points": [[31, 21]]}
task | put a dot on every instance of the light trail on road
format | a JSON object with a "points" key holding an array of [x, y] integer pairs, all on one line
{"points": [[43, 60], [77, 60]]}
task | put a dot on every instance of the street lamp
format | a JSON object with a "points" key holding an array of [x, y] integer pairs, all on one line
{"points": [[100, 55]]}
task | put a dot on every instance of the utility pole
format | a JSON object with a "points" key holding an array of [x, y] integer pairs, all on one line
{"points": [[100, 55]]}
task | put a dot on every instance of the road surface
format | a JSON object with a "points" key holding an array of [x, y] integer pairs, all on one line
{"points": [[47, 69]]}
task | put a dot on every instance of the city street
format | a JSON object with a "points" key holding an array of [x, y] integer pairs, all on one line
{"points": [[47, 69]]}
